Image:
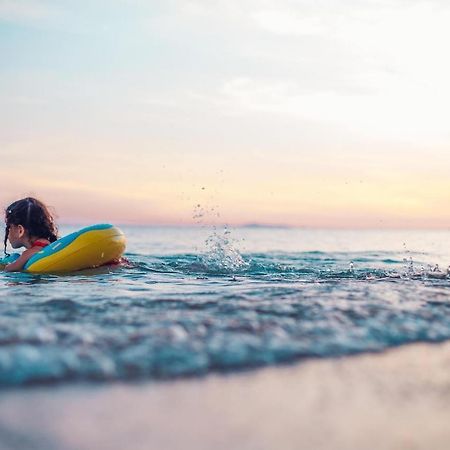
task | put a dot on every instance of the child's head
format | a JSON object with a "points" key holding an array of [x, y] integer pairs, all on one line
{"points": [[28, 219]]}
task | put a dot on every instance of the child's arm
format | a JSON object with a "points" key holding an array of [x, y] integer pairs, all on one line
{"points": [[20, 262], [8, 260]]}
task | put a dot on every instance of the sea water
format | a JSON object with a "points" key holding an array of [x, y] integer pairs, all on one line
{"points": [[194, 300]]}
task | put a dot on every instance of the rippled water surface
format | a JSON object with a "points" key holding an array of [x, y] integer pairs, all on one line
{"points": [[194, 300]]}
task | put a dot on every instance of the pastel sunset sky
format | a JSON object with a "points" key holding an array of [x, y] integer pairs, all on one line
{"points": [[308, 113]]}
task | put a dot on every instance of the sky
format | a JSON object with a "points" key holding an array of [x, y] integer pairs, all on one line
{"points": [[311, 113]]}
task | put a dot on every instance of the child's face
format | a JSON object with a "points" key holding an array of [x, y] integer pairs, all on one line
{"points": [[16, 235]]}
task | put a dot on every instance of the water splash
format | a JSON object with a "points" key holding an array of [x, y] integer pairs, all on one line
{"points": [[409, 267], [221, 254], [351, 267]]}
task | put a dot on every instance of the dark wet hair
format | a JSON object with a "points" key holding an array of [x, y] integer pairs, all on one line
{"points": [[34, 216]]}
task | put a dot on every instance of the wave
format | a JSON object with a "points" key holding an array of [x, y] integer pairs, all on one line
{"points": [[189, 314]]}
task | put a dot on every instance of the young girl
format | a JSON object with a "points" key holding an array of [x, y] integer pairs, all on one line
{"points": [[29, 224]]}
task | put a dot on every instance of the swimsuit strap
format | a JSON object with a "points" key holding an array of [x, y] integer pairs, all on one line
{"points": [[38, 244]]}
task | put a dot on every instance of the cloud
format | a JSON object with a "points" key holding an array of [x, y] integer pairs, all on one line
{"points": [[387, 112], [374, 68]]}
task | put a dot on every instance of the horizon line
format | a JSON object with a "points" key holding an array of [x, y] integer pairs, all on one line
{"points": [[259, 226]]}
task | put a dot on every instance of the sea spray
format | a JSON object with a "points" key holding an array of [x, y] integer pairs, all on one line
{"points": [[221, 253]]}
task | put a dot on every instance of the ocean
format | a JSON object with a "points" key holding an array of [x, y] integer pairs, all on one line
{"points": [[196, 300]]}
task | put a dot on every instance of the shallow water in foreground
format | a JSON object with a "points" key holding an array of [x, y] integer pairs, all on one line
{"points": [[192, 302]]}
